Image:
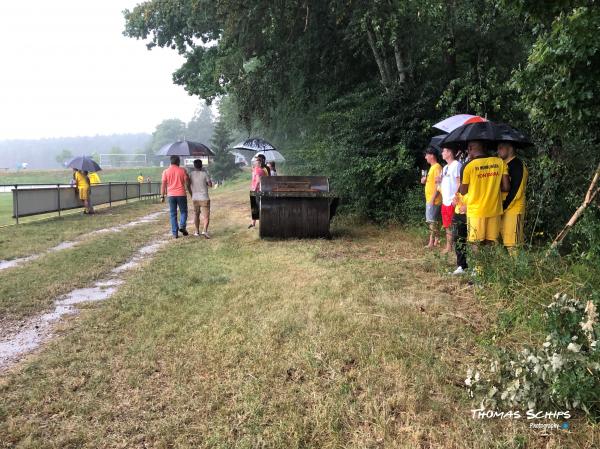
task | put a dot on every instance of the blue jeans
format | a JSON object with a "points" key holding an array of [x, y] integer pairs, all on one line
{"points": [[180, 201]]}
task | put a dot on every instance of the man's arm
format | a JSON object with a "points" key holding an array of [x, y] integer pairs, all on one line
{"points": [[188, 185], [515, 172], [505, 187], [464, 189]]}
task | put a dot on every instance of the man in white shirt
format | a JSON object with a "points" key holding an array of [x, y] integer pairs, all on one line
{"points": [[449, 185], [199, 182]]}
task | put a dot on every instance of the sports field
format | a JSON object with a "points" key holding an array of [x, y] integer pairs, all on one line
{"points": [[63, 177]]}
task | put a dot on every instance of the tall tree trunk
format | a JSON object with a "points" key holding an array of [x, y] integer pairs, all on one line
{"points": [[589, 197], [385, 78], [399, 63]]}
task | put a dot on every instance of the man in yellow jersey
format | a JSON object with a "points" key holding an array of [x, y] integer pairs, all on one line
{"points": [[433, 198], [484, 178], [82, 188], [513, 219], [140, 178], [94, 178]]}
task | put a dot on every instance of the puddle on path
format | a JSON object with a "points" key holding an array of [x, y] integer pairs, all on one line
{"points": [[37, 330], [5, 264]]}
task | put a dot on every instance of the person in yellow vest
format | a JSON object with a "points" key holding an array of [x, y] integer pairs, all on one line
{"points": [[513, 203], [140, 178], [82, 188], [433, 198], [94, 178], [484, 178]]}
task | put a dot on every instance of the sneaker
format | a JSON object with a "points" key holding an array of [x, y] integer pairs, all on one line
{"points": [[175, 236], [250, 226], [196, 234], [458, 271], [184, 231], [205, 235]]}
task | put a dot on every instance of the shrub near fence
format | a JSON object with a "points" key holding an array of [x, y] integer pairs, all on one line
{"points": [[34, 199]]}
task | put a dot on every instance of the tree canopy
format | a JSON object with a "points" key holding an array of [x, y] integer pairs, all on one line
{"points": [[350, 89]]}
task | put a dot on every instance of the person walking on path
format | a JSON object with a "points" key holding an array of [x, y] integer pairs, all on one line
{"points": [[448, 187], [513, 218], [174, 181], [198, 185], [433, 199], [484, 178]]}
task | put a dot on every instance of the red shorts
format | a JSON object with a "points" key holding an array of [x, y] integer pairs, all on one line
{"points": [[447, 214]]}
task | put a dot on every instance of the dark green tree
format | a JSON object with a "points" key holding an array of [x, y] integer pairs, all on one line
{"points": [[223, 165]]}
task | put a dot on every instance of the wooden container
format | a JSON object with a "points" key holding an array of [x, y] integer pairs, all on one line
{"points": [[294, 207]]}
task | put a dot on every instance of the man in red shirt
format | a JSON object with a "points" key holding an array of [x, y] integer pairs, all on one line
{"points": [[174, 182]]}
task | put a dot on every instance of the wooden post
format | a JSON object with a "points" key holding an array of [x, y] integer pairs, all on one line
{"points": [[58, 198], [110, 194], [17, 202]]}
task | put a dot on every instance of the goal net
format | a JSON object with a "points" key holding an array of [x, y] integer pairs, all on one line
{"points": [[123, 160]]}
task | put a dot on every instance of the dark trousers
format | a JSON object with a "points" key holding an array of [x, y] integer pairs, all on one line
{"points": [[174, 203], [459, 232]]}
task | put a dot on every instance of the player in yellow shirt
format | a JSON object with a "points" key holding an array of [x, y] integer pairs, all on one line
{"points": [[82, 187], [484, 178], [94, 178], [140, 178], [513, 203], [433, 198]]}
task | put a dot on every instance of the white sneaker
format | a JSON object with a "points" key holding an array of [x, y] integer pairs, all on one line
{"points": [[458, 271], [205, 234], [196, 234]]}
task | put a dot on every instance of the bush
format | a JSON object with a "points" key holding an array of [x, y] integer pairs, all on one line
{"points": [[564, 372]]}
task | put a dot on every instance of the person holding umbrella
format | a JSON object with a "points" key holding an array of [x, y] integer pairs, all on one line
{"points": [[513, 203], [81, 165], [484, 178], [82, 189], [174, 182]]}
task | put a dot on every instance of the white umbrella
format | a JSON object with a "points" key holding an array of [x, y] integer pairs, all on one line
{"points": [[272, 155], [451, 123]]}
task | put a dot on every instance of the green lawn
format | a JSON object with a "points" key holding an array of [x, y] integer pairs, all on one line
{"points": [[236, 342]]}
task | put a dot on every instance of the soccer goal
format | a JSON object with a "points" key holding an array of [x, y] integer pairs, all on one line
{"points": [[123, 160]]}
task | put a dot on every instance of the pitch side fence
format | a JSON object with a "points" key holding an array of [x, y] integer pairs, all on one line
{"points": [[36, 199]]}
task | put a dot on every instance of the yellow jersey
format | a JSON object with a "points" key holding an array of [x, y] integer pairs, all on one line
{"points": [[513, 201], [430, 185], [80, 180], [483, 175], [140, 179], [94, 178]]}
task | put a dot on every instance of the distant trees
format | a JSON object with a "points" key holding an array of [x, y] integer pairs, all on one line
{"points": [[223, 164], [199, 129], [64, 156]]}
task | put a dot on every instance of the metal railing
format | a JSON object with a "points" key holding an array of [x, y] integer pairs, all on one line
{"points": [[36, 199]]}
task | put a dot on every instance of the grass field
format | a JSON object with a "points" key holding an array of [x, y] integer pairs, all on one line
{"points": [[64, 177], [236, 342]]}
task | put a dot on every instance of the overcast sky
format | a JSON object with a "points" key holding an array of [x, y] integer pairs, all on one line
{"points": [[67, 70]]}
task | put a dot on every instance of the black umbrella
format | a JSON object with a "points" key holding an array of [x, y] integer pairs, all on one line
{"points": [[485, 131], [185, 148], [435, 142], [254, 144], [84, 163], [506, 133]]}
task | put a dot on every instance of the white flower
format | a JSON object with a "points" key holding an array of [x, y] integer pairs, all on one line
{"points": [[556, 361], [573, 347], [546, 344], [492, 392], [531, 405]]}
